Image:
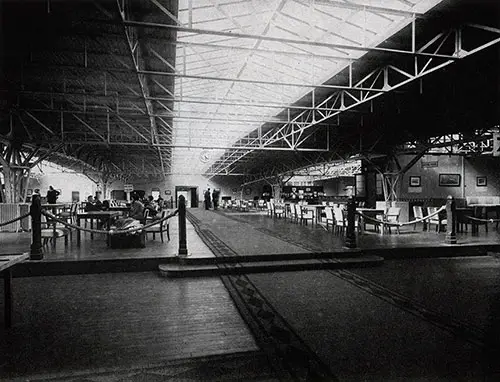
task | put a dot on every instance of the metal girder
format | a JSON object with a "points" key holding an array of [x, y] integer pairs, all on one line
{"points": [[188, 100], [361, 7], [136, 56], [480, 142], [387, 78], [279, 39]]}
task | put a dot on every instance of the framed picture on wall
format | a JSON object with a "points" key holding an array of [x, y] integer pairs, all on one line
{"points": [[449, 180], [481, 181], [414, 181]]}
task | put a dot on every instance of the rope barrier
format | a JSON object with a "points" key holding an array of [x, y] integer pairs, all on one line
{"points": [[482, 220], [390, 224], [14, 220], [110, 232]]}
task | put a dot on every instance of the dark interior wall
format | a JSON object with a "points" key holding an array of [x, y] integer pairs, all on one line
{"points": [[430, 167], [488, 167]]}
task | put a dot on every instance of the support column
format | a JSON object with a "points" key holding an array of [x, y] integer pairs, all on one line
{"points": [[183, 252], [451, 221], [36, 228], [350, 239]]}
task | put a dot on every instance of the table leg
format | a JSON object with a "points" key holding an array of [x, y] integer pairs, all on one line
{"points": [[7, 282], [91, 227]]}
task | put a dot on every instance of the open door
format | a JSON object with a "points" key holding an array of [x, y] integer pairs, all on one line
{"points": [[190, 193]]}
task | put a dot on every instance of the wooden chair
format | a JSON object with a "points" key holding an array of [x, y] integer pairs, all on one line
{"points": [[162, 226], [294, 216], [330, 219], [436, 219], [52, 231], [340, 223], [145, 214], [261, 204], [392, 216], [306, 214], [418, 213], [279, 211]]}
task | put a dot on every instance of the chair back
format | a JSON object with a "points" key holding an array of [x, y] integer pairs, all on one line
{"points": [[307, 213], [418, 213], [430, 211], [393, 214], [329, 213], [339, 216], [163, 222]]}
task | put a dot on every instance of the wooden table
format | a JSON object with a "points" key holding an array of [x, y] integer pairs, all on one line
{"points": [[91, 215], [371, 212], [54, 208], [121, 209], [481, 212], [318, 208], [6, 263]]}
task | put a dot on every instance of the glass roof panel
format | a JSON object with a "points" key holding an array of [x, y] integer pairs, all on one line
{"points": [[264, 71]]}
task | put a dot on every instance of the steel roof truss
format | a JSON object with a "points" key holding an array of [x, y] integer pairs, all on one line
{"points": [[380, 80]]}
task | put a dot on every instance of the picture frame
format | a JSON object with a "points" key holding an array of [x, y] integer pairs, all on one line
{"points": [[481, 181], [414, 181], [449, 180]]}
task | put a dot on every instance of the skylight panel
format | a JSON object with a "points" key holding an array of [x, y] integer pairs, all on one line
{"points": [[305, 20]]}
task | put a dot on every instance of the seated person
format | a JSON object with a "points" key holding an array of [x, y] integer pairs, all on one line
{"points": [[105, 205], [136, 209], [90, 205], [160, 202], [152, 206]]}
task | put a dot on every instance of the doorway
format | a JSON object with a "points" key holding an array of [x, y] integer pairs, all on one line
{"points": [[190, 193]]}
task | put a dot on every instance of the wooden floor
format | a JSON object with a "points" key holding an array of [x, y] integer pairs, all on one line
{"points": [[74, 323]]}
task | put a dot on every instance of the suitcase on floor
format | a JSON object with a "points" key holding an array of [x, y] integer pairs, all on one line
{"points": [[137, 240]]}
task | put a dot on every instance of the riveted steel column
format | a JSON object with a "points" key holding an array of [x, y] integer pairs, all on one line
{"points": [[451, 221], [350, 239], [183, 252], [36, 228]]}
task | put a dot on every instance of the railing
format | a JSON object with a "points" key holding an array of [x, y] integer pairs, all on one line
{"points": [[36, 212]]}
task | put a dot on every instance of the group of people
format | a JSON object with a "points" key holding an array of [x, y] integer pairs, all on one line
{"points": [[137, 206], [211, 198]]}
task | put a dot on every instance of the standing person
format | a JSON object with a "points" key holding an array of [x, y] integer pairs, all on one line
{"points": [[52, 195], [207, 199], [215, 199]]}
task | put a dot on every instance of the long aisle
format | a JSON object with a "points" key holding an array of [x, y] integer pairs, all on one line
{"points": [[369, 324]]}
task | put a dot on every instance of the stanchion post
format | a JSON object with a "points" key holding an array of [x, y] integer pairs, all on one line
{"points": [[183, 252], [451, 221], [36, 228], [350, 239]]}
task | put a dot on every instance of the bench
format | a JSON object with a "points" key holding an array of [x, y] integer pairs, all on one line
{"points": [[6, 263]]}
